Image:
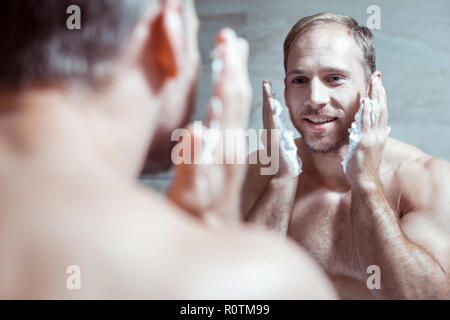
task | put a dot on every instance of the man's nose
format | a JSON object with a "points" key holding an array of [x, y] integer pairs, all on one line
{"points": [[318, 97]]}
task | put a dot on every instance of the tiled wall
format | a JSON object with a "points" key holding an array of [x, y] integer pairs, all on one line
{"points": [[413, 54]]}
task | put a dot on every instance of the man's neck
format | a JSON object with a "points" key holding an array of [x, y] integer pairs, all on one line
{"points": [[52, 130], [326, 167]]}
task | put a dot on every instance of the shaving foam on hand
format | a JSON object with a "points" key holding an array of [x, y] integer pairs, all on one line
{"points": [[355, 133], [286, 136]]}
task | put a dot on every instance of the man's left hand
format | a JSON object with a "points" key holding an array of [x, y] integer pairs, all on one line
{"points": [[364, 165]]}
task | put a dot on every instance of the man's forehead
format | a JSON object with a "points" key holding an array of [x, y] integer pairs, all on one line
{"points": [[331, 45]]}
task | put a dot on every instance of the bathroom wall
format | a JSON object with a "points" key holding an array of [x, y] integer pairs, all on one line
{"points": [[413, 54]]}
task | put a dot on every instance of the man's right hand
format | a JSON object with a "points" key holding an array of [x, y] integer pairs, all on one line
{"points": [[286, 158], [273, 207], [211, 190]]}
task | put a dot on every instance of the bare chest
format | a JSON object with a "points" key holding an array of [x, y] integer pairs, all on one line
{"points": [[321, 223]]}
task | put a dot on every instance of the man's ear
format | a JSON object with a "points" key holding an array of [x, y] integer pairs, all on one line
{"points": [[164, 50]]}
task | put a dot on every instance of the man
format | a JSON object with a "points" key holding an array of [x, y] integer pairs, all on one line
{"points": [[385, 220], [78, 109]]}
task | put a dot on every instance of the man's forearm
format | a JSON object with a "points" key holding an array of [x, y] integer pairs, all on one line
{"points": [[407, 270], [274, 207]]}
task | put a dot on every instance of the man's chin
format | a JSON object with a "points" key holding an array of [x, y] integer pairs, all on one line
{"points": [[152, 168], [328, 142], [325, 146], [158, 160]]}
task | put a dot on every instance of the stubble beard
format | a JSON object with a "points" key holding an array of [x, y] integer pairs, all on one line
{"points": [[328, 148]]}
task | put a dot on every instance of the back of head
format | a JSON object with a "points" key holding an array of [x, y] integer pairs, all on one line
{"points": [[38, 46]]}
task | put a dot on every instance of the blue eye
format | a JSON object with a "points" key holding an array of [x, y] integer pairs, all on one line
{"points": [[336, 78]]}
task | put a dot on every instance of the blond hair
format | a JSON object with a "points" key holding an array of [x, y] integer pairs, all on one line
{"points": [[362, 35]]}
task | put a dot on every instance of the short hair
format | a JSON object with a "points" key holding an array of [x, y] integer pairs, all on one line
{"points": [[37, 45], [362, 35]]}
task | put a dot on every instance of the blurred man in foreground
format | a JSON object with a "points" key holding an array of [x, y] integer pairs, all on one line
{"points": [[78, 110]]}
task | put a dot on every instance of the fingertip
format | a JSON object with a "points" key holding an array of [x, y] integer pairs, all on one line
{"points": [[245, 45], [267, 89], [245, 49], [224, 35]]}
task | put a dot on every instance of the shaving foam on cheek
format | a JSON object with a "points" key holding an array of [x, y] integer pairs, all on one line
{"points": [[286, 136], [355, 132]]}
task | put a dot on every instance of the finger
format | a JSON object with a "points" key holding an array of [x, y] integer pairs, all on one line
{"points": [[370, 92], [372, 83], [374, 113], [233, 86], [191, 23], [267, 90], [244, 52], [377, 97], [226, 47], [383, 106], [269, 109], [366, 121], [214, 116], [267, 96]]}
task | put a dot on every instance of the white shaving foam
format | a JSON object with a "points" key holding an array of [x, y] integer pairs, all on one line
{"points": [[286, 136], [355, 133]]}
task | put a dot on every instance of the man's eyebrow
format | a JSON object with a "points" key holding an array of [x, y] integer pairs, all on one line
{"points": [[337, 70], [327, 69], [295, 71]]}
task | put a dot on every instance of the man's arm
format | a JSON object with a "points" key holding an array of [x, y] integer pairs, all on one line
{"points": [[410, 268], [269, 200], [413, 253]]}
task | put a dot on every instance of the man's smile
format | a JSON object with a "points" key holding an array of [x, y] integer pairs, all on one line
{"points": [[320, 122]]}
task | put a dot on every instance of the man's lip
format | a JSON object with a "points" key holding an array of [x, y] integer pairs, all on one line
{"points": [[320, 126], [320, 116]]}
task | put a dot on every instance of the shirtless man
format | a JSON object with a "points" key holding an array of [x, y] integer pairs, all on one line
{"points": [[391, 209], [78, 110]]}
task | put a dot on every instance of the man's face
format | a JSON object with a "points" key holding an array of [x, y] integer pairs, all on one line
{"points": [[324, 82]]}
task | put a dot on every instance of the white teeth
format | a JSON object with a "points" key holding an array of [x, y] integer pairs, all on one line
{"points": [[320, 120]]}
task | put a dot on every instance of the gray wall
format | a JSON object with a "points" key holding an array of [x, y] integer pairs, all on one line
{"points": [[413, 54]]}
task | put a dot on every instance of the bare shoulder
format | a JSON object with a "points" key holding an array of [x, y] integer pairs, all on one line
{"points": [[172, 256], [140, 246], [423, 181], [400, 154], [123, 238], [424, 186], [242, 262], [255, 264], [182, 259]]}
